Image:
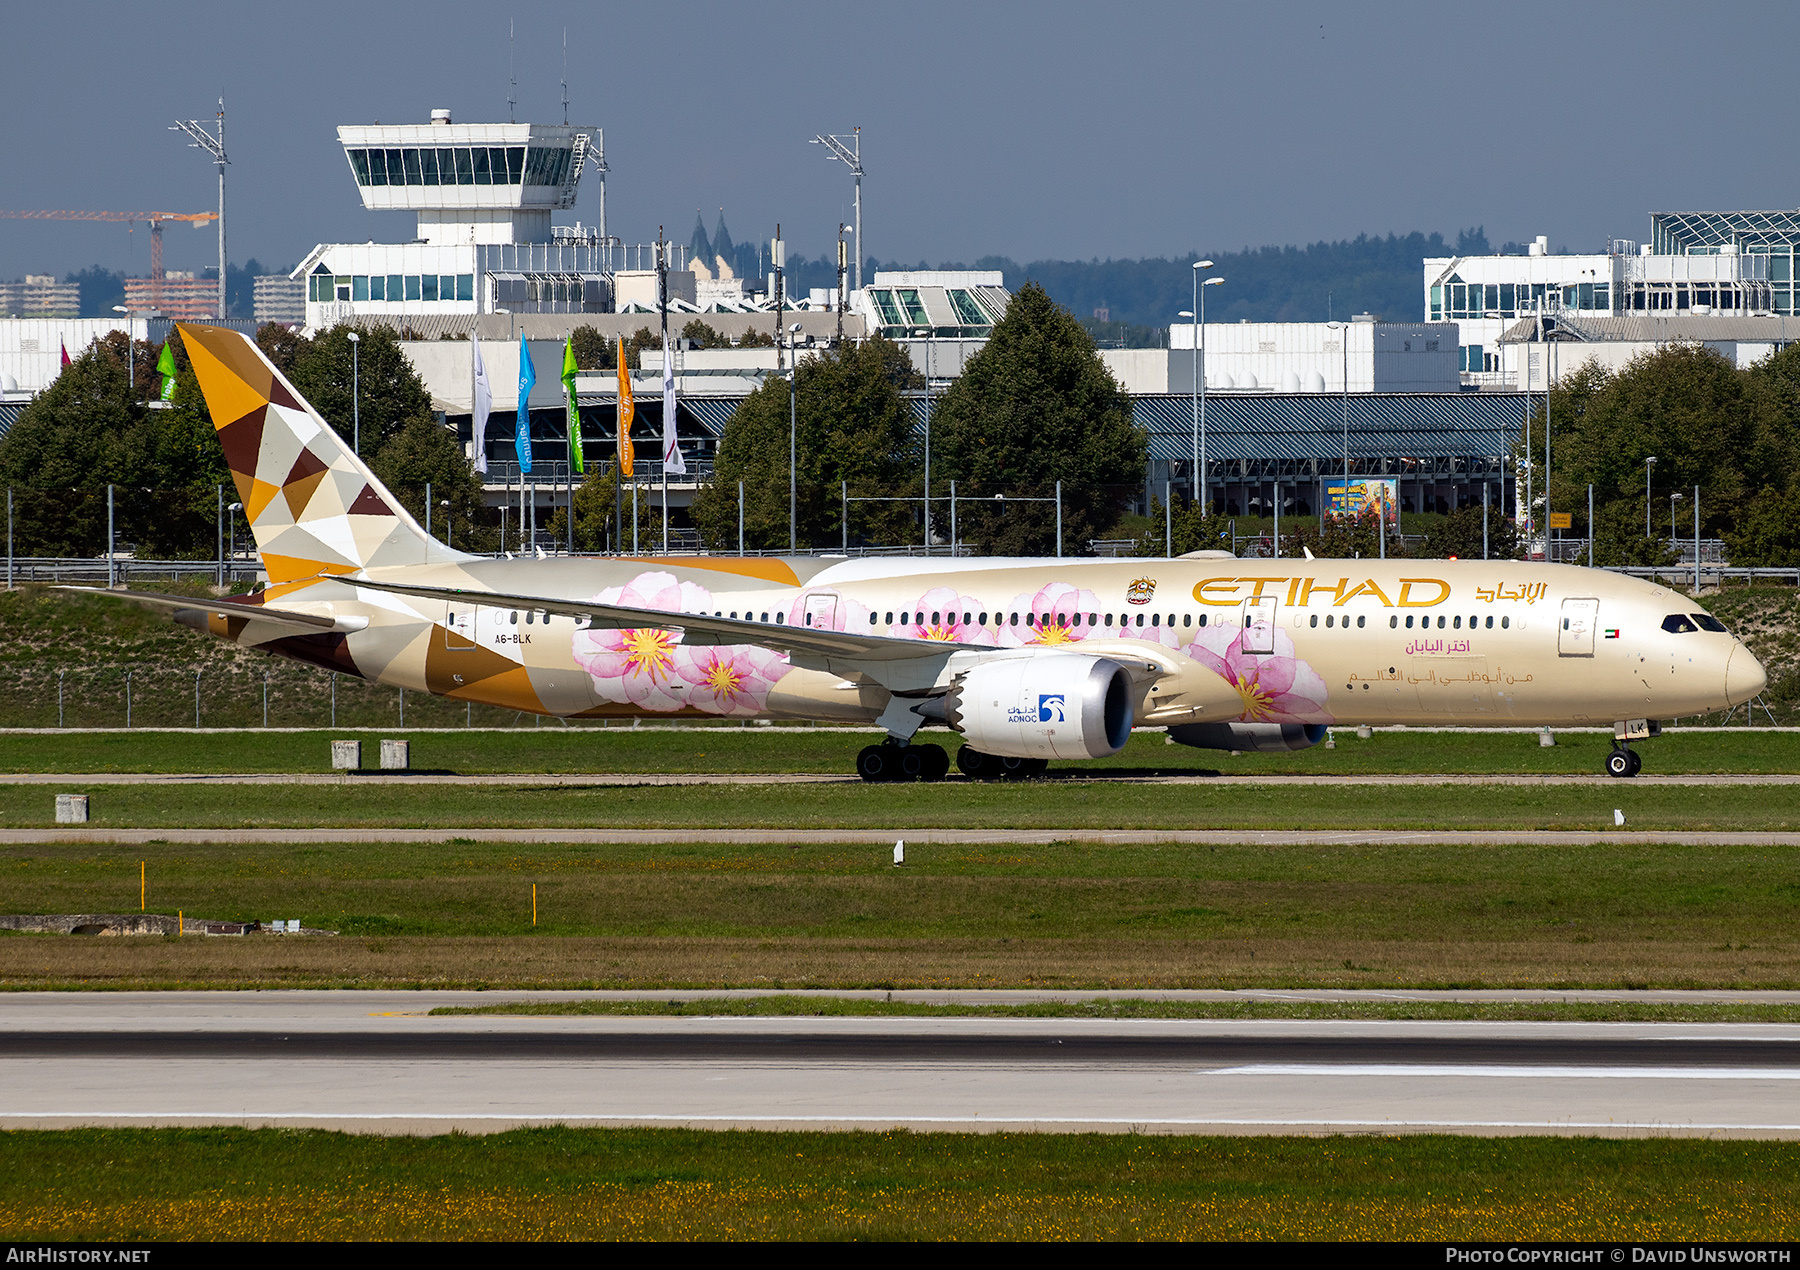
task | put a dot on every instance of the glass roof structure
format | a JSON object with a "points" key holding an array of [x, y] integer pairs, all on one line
{"points": [[1703, 233]]}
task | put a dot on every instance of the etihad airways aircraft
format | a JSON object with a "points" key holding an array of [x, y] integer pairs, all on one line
{"points": [[1028, 659]]}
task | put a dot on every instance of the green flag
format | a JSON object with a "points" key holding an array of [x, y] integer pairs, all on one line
{"points": [[568, 378], [165, 366]]}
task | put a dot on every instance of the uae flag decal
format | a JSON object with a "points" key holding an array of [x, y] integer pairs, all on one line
{"points": [[1612, 632]]}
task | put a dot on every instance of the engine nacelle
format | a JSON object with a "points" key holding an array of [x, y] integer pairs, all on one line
{"points": [[1259, 738], [1053, 705]]}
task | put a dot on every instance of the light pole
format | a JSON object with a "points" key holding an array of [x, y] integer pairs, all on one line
{"points": [[450, 529], [130, 352], [1674, 495], [793, 444], [215, 146], [1343, 330], [1648, 464], [850, 154], [355, 393], [1198, 316], [234, 509]]}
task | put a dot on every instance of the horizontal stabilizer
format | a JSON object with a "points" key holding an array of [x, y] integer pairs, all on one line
{"points": [[301, 623]]}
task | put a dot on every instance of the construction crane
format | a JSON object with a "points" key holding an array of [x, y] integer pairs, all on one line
{"points": [[155, 219]]}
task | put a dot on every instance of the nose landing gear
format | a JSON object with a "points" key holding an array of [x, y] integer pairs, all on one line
{"points": [[1623, 761]]}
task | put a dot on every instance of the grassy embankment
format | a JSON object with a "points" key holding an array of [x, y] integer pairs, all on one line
{"points": [[673, 1184], [1064, 915]]}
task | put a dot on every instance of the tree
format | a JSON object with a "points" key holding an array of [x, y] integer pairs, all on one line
{"points": [[1706, 422], [1619, 536], [280, 345], [703, 335], [1037, 405], [1460, 535], [851, 424], [1346, 537], [593, 351], [752, 338], [1767, 532], [594, 515], [99, 290], [1193, 530], [423, 452], [387, 389]]}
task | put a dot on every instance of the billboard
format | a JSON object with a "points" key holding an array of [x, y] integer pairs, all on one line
{"points": [[1363, 494]]}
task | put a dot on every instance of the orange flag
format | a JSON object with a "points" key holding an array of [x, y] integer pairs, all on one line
{"points": [[626, 411]]}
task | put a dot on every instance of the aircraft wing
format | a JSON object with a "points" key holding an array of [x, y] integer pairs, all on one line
{"points": [[698, 628], [300, 623]]}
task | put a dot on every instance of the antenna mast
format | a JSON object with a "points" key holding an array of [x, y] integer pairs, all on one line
{"points": [[849, 150]]}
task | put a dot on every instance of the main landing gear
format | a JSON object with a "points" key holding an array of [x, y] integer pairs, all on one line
{"points": [[891, 761], [1623, 761]]}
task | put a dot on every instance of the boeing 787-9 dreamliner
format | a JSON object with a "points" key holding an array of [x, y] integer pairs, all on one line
{"points": [[1029, 660]]}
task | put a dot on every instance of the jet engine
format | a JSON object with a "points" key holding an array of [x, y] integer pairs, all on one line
{"points": [[1050, 706], [1258, 738]]}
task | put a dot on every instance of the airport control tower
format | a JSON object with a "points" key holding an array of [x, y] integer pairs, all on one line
{"points": [[483, 195]]}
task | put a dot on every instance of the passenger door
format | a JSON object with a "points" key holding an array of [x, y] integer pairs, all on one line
{"points": [[1259, 625], [821, 610], [1575, 638], [459, 627]]}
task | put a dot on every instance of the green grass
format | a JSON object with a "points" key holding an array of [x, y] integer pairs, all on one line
{"points": [[1037, 805], [805, 750], [672, 1184], [790, 1006]]}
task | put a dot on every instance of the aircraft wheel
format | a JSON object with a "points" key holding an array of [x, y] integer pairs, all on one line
{"points": [[1621, 763], [911, 763], [1036, 766], [972, 763], [937, 761], [1637, 762], [876, 763], [1013, 769]]}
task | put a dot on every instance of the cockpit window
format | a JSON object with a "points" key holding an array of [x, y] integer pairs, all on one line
{"points": [[1710, 623], [1678, 624]]}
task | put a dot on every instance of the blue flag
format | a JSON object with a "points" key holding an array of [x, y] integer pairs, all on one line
{"points": [[527, 380]]}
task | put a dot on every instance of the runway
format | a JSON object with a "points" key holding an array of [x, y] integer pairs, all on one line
{"points": [[1054, 776], [373, 1062]]}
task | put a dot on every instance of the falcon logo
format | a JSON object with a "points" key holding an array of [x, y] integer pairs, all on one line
{"points": [[1141, 591], [1051, 710]]}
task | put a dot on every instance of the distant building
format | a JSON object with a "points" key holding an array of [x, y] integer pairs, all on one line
{"points": [[279, 298], [1315, 357], [40, 296], [180, 296], [1701, 264], [942, 317]]}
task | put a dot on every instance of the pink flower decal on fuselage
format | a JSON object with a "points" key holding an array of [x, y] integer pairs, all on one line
{"points": [[943, 613], [1060, 614], [1274, 687], [732, 679], [637, 666]]}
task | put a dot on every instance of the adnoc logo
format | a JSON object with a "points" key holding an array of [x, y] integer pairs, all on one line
{"points": [[1051, 709]]}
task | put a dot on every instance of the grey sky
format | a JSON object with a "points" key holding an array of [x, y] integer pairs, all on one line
{"points": [[1058, 129]]}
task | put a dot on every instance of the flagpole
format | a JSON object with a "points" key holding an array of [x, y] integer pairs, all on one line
{"points": [[662, 303]]}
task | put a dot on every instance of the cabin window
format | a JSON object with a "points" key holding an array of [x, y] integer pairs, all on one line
{"points": [[1678, 624], [1140, 619], [1203, 619], [1013, 620], [983, 619], [1505, 622], [1360, 621], [874, 619], [967, 620], [1093, 619], [1109, 618], [1187, 619], [1440, 621], [765, 617], [1457, 624], [890, 619], [1328, 621], [1394, 622], [1315, 620], [529, 614], [937, 619], [781, 619], [1490, 621], [1156, 619], [515, 617], [1409, 621]]}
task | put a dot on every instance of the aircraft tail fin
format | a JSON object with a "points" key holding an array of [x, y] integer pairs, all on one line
{"points": [[313, 506]]}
